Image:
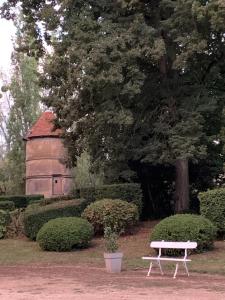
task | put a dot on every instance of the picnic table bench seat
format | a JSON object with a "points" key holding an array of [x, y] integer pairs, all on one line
{"points": [[170, 245]]}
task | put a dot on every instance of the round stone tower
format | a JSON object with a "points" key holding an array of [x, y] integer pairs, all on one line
{"points": [[45, 172]]}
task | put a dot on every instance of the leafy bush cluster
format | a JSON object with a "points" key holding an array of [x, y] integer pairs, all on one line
{"points": [[4, 221], [21, 200], [119, 215], [7, 205], [212, 206], [51, 200], [15, 227], [110, 238], [64, 234], [185, 227], [130, 192], [36, 216]]}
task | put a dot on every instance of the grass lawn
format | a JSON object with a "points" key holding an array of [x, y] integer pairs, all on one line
{"points": [[23, 251]]}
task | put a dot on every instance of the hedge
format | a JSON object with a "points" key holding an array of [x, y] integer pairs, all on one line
{"points": [[7, 205], [65, 234], [51, 200], [36, 216], [183, 228], [4, 221], [116, 214], [212, 206], [130, 192], [21, 201]]}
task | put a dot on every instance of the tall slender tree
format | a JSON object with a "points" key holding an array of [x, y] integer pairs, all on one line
{"points": [[24, 109]]}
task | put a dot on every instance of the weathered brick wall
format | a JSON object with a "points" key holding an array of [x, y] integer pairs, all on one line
{"points": [[45, 172]]}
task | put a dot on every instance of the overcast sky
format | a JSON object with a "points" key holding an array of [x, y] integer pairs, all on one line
{"points": [[7, 31]]}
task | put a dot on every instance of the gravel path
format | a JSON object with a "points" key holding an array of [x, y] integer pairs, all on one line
{"points": [[88, 283]]}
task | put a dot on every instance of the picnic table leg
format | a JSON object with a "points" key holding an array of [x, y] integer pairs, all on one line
{"points": [[150, 268], [175, 273], [186, 268]]}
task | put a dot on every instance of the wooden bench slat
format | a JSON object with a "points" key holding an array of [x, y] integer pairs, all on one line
{"points": [[165, 258], [173, 245]]}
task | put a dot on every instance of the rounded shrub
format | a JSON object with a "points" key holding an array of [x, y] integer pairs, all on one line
{"points": [[7, 205], [119, 215], [183, 228], [36, 216], [4, 217], [21, 201], [4, 221], [212, 206], [64, 234]]}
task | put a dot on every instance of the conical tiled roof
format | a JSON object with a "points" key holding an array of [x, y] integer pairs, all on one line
{"points": [[44, 127]]}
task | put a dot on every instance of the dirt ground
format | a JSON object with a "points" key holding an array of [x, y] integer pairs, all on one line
{"points": [[89, 283]]}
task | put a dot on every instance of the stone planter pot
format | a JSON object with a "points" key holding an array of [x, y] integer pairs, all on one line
{"points": [[113, 262]]}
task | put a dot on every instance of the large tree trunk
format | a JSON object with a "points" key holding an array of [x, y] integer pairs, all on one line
{"points": [[182, 186]]}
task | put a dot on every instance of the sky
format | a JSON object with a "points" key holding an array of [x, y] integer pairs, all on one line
{"points": [[7, 31]]}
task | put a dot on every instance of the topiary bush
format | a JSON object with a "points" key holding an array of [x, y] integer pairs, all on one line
{"points": [[212, 206], [183, 228], [64, 234], [4, 221], [21, 201], [51, 200], [111, 240], [15, 227], [130, 192], [120, 215], [7, 205], [36, 216]]}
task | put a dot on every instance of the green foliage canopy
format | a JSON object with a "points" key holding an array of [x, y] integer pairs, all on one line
{"points": [[137, 73], [134, 81]]}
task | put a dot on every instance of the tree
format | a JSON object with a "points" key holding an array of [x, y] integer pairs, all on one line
{"points": [[138, 82], [5, 106], [24, 110], [83, 173]]}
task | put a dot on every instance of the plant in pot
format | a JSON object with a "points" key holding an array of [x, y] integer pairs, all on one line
{"points": [[113, 258]]}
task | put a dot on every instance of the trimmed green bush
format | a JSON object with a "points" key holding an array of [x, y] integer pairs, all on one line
{"points": [[15, 227], [130, 192], [212, 206], [51, 200], [31, 198], [36, 216], [39, 202], [64, 234], [120, 215], [7, 205], [21, 201], [183, 228], [4, 221]]}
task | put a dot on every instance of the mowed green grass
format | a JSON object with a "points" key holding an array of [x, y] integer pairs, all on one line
{"points": [[24, 252]]}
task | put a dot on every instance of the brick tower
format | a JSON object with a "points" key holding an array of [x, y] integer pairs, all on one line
{"points": [[45, 172]]}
